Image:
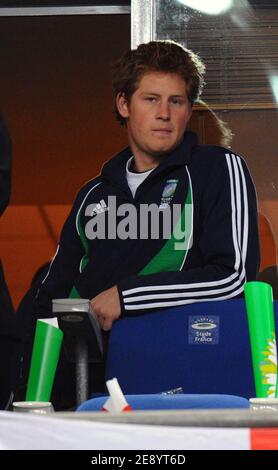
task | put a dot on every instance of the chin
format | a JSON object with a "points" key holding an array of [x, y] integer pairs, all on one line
{"points": [[162, 152]]}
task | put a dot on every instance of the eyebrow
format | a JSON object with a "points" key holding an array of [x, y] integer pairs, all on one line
{"points": [[157, 94]]}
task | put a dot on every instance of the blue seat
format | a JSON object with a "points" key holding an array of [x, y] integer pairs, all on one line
{"points": [[171, 402], [204, 348]]}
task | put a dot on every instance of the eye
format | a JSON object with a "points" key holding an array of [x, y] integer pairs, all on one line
{"points": [[177, 101], [151, 99]]}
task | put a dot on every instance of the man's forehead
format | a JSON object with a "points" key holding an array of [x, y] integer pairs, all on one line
{"points": [[157, 82]]}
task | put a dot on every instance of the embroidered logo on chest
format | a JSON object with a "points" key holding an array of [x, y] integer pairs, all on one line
{"points": [[168, 193], [98, 208]]}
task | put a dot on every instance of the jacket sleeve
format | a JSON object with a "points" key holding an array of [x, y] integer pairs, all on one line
{"points": [[5, 166], [228, 243], [66, 264]]}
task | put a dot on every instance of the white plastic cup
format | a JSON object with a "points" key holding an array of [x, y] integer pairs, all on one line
{"points": [[264, 404], [38, 407], [72, 306], [78, 310]]}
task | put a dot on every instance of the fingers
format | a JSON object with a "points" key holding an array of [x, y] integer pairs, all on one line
{"points": [[107, 325], [104, 323], [100, 319]]}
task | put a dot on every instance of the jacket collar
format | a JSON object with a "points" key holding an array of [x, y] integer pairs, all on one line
{"points": [[115, 169]]}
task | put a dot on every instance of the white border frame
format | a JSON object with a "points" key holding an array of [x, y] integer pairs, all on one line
{"points": [[142, 21], [48, 11]]}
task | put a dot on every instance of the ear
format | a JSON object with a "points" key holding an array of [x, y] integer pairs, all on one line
{"points": [[122, 105]]}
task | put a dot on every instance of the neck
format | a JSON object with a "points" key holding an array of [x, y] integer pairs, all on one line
{"points": [[145, 163]]}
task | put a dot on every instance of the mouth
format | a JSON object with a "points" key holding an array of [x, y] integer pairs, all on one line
{"points": [[162, 131]]}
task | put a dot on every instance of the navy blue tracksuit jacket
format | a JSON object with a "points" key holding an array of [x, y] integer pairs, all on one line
{"points": [[208, 255]]}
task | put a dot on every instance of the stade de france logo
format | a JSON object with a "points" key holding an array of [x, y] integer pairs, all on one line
{"points": [[203, 330]]}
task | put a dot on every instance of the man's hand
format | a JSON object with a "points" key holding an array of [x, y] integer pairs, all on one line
{"points": [[107, 307]]}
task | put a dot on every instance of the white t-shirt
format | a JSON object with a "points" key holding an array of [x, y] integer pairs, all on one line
{"points": [[135, 179]]}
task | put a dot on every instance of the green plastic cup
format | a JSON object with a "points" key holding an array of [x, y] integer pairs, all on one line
{"points": [[45, 357], [260, 313]]}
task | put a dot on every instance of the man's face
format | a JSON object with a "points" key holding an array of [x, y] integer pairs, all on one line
{"points": [[157, 114]]}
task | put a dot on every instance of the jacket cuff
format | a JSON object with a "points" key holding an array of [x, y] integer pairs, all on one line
{"points": [[123, 311]]}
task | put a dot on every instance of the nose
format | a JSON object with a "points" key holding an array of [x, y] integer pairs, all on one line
{"points": [[163, 111]]}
